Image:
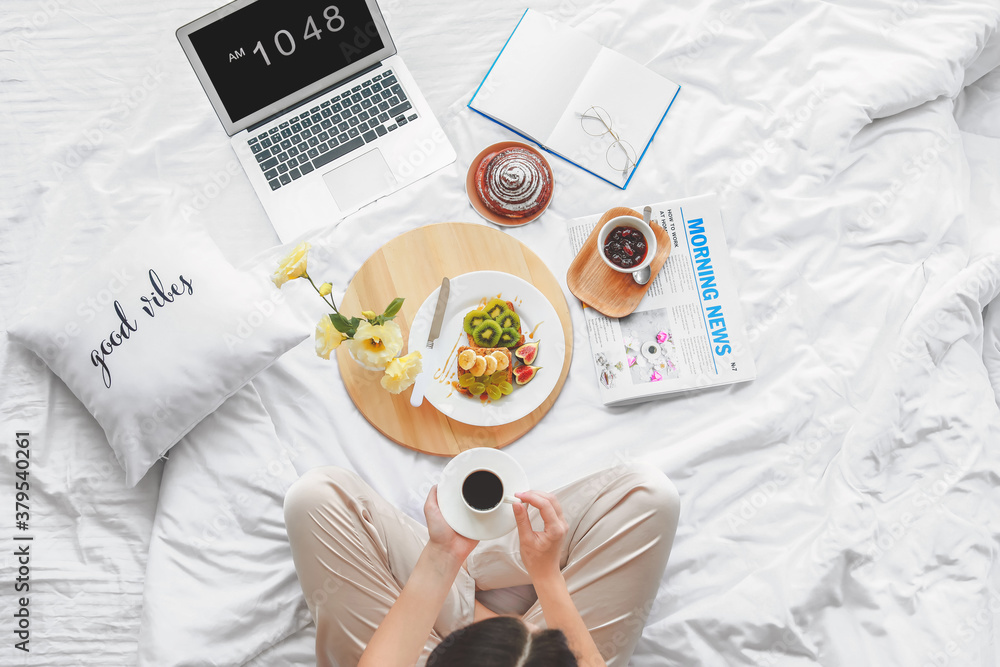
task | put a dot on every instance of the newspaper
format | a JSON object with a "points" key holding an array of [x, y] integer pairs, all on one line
{"points": [[688, 331]]}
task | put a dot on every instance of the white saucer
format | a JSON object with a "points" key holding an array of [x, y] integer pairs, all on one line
{"points": [[454, 510]]}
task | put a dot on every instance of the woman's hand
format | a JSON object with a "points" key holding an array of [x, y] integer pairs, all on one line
{"points": [[398, 640], [540, 550], [442, 536]]}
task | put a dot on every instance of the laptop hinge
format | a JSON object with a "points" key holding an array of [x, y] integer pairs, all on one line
{"points": [[321, 93]]}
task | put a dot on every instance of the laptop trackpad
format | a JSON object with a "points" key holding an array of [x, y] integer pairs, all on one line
{"points": [[360, 181]]}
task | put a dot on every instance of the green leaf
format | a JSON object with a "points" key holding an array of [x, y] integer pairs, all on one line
{"points": [[354, 324], [341, 324], [393, 308]]}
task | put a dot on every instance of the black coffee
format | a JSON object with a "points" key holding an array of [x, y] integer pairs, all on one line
{"points": [[482, 490]]}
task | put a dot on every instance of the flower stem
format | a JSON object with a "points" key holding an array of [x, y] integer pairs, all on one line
{"points": [[332, 304]]}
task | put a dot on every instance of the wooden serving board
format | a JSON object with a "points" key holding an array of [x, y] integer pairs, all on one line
{"points": [[601, 287], [412, 266]]}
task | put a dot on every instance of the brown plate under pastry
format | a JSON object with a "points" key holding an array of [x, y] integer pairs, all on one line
{"points": [[510, 183]]}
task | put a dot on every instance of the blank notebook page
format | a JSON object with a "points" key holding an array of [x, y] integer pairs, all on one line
{"points": [[634, 96], [536, 75]]}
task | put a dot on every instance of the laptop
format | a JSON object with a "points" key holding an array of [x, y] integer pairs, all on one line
{"points": [[322, 113]]}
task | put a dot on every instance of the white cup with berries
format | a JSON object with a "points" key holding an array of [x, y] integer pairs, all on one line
{"points": [[626, 244]]}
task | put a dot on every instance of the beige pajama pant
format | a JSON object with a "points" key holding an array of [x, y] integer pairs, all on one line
{"points": [[354, 551]]}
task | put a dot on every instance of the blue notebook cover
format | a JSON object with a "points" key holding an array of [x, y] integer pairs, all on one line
{"points": [[545, 148]]}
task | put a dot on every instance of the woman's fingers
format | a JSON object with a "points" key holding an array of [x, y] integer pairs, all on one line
{"points": [[550, 511], [551, 497], [431, 504], [432, 512], [541, 496], [524, 529]]}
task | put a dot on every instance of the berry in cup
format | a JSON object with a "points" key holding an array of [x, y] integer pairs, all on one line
{"points": [[625, 247]]}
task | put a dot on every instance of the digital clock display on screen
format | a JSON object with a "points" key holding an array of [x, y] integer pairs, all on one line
{"points": [[273, 48]]}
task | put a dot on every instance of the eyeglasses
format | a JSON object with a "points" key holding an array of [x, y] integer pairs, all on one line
{"points": [[620, 156]]}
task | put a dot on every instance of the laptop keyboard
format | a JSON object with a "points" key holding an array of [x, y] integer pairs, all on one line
{"points": [[340, 124]]}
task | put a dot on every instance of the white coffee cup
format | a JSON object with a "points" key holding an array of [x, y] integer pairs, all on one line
{"points": [[631, 222]]}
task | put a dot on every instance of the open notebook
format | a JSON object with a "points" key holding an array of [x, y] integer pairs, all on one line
{"points": [[548, 74]]}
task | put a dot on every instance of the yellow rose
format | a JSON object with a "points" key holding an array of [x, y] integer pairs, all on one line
{"points": [[368, 314], [374, 345], [402, 372], [293, 266], [328, 338], [325, 289]]}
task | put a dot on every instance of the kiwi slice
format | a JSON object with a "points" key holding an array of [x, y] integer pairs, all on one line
{"points": [[509, 320], [496, 308], [473, 319], [487, 334], [509, 337]]}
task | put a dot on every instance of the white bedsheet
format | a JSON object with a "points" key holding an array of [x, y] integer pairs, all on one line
{"points": [[842, 509], [220, 583]]}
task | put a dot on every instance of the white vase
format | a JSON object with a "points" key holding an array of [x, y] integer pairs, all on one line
{"points": [[350, 351], [388, 325], [367, 367]]}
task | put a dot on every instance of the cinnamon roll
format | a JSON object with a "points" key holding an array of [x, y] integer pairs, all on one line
{"points": [[514, 182]]}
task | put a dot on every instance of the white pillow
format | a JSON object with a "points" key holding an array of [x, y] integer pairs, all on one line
{"points": [[157, 334], [220, 583]]}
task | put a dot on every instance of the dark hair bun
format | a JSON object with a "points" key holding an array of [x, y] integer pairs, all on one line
{"points": [[500, 642]]}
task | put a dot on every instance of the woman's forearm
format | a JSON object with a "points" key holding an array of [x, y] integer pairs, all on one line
{"points": [[561, 614], [400, 637]]}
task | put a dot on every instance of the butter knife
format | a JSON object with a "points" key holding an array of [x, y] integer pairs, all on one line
{"points": [[420, 386]]}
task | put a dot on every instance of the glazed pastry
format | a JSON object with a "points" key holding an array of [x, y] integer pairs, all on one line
{"points": [[514, 182]]}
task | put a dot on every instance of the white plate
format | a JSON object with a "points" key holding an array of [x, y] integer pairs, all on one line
{"points": [[539, 323], [464, 521]]}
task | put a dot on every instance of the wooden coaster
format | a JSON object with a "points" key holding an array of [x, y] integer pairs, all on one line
{"points": [[412, 266], [601, 287]]}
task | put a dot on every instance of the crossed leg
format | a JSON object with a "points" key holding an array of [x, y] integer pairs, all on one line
{"points": [[353, 552]]}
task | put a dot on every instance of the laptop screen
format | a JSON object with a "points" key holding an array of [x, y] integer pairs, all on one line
{"points": [[271, 49]]}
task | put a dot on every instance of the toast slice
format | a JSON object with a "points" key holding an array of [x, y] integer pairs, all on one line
{"points": [[484, 351]]}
